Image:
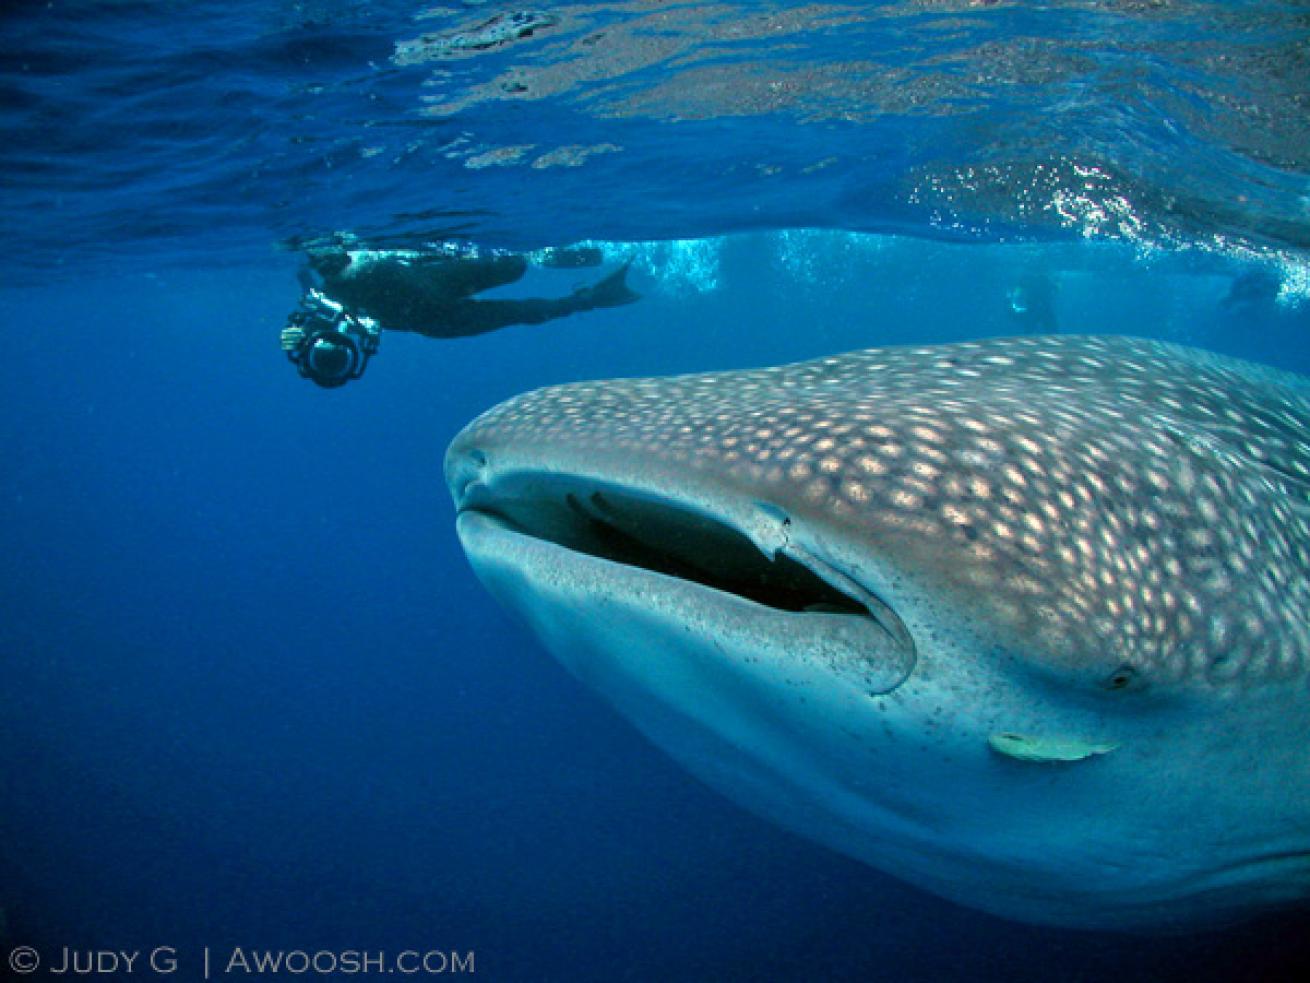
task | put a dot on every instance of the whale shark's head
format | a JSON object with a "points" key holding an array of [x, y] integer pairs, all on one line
{"points": [[1021, 621]]}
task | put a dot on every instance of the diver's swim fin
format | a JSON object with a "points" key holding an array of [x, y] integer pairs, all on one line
{"points": [[611, 291]]}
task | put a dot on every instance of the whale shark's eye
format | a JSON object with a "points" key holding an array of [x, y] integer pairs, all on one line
{"points": [[1122, 678]]}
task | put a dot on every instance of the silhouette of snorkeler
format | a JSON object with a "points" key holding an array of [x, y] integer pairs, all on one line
{"points": [[331, 336]]}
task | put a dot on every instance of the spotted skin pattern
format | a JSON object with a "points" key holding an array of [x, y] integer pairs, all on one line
{"points": [[1129, 511]]}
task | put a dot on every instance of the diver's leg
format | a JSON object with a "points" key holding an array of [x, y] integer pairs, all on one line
{"points": [[468, 276], [474, 317]]}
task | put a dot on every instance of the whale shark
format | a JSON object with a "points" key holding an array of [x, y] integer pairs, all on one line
{"points": [[1024, 622]]}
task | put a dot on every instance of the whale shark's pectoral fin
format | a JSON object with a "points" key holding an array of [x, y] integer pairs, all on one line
{"points": [[1026, 747]]}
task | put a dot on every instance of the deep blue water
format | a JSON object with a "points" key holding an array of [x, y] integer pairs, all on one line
{"points": [[253, 695]]}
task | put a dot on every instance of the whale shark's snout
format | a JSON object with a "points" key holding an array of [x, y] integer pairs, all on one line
{"points": [[1020, 621]]}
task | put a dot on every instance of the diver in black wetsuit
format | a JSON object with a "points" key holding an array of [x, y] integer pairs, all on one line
{"points": [[334, 332]]}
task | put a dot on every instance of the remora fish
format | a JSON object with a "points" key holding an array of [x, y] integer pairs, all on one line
{"points": [[1024, 622]]}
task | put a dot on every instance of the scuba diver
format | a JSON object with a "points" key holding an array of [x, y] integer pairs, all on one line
{"points": [[1031, 303], [1251, 290], [352, 294]]}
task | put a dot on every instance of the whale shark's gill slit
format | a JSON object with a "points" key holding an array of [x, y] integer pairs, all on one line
{"points": [[667, 539]]}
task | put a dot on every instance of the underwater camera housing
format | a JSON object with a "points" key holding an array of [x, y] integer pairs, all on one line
{"points": [[327, 343]]}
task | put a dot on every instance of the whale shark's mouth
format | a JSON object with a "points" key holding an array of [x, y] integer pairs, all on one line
{"points": [[671, 539]]}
